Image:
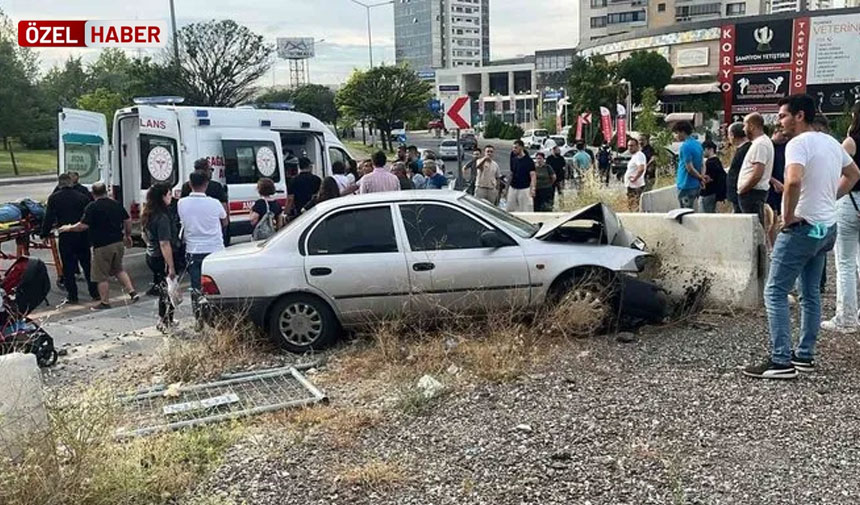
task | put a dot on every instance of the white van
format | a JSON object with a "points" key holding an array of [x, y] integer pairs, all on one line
{"points": [[159, 143]]}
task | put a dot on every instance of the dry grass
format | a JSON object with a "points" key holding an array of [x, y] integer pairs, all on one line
{"points": [[79, 462], [374, 475], [230, 344], [590, 192], [498, 347], [338, 425]]}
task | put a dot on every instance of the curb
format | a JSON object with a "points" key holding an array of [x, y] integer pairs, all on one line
{"points": [[11, 181]]}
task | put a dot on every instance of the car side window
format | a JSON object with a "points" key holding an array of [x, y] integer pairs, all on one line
{"points": [[436, 227], [357, 231]]}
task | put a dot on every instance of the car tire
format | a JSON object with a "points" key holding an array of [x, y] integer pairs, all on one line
{"points": [[300, 323], [597, 288]]}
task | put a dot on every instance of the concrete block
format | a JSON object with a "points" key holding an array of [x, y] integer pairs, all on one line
{"points": [[23, 416], [659, 200], [725, 250]]}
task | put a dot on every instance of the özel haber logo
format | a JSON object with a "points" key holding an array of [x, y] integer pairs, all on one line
{"points": [[82, 33]]}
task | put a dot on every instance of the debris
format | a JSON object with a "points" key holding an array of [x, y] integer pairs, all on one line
{"points": [[453, 370], [625, 337], [185, 406], [525, 428], [430, 387]]}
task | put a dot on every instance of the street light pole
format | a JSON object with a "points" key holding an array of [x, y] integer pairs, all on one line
{"points": [[367, 8], [175, 35]]}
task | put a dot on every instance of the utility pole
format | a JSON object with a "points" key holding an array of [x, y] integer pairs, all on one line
{"points": [[175, 34], [367, 8]]}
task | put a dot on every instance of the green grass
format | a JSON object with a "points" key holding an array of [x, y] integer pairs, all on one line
{"points": [[35, 162], [359, 150]]}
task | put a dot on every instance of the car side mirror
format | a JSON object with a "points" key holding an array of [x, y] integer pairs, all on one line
{"points": [[492, 239]]}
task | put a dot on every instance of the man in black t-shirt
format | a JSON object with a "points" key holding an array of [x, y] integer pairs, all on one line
{"points": [[738, 138], [521, 191], [76, 185], [303, 187], [66, 206], [651, 165], [558, 164], [109, 227]]}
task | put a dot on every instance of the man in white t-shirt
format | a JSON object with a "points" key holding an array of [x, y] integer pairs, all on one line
{"points": [[817, 173], [203, 219], [634, 178], [757, 167]]}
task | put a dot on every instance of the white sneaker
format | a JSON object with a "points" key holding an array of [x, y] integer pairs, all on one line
{"points": [[833, 325]]}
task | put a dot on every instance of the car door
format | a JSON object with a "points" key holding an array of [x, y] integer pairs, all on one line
{"points": [[450, 268], [354, 257]]}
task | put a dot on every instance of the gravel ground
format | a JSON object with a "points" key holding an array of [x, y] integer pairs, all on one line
{"points": [[667, 420]]}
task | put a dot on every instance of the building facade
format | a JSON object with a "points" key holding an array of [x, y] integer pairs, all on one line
{"points": [[776, 6], [600, 19], [432, 34]]}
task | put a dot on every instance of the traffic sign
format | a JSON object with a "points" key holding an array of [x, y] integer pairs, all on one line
{"points": [[434, 105], [458, 113]]}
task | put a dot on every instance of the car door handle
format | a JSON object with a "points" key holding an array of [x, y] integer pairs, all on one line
{"points": [[423, 267], [320, 271]]}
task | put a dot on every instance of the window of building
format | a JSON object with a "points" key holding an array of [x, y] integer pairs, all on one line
{"points": [[736, 9], [693, 11], [598, 22], [625, 17], [661, 7], [597, 4]]}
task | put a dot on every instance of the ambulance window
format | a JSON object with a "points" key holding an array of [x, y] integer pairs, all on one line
{"points": [[159, 161], [83, 159], [247, 161], [336, 154]]}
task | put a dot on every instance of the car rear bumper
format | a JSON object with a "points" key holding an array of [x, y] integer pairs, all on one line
{"points": [[252, 308]]}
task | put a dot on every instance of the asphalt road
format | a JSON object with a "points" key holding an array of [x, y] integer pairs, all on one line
{"points": [[425, 140]]}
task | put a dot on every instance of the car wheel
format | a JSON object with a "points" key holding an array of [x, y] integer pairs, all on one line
{"points": [[593, 290], [300, 323]]}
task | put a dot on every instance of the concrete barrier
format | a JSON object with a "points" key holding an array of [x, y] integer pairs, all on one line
{"points": [[659, 200], [725, 250], [23, 418]]}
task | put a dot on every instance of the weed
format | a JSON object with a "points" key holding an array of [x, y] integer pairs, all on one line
{"points": [[225, 346], [80, 462], [591, 191], [375, 475]]}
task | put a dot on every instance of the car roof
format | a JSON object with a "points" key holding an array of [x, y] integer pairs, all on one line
{"points": [[389, 197]]}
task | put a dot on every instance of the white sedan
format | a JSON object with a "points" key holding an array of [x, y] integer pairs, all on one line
{"points": [[354, 260]]}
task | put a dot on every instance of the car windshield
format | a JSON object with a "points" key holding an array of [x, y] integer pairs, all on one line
{"points": [[512, 223], [541, 133], [449, 143]]}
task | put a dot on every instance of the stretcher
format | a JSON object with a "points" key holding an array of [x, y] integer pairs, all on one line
{"points": [[25, 234]]}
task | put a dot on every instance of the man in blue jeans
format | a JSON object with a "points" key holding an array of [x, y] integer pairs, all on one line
{"points": [[203, 219], [817, 173], [689, 177]]}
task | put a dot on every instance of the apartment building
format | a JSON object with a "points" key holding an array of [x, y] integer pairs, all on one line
{"points": [[431, 34]]}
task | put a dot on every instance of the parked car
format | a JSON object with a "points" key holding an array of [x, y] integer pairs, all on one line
{"points": [[554, 140], [469, 142], [448, 150], [533, 139], [435, 124], [354, 260]]}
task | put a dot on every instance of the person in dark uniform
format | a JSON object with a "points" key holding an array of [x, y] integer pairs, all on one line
{"points": [[77, 186], [66, 206]]}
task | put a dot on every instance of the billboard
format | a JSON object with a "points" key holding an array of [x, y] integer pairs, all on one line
{"points": [[761, 62], [296, 48]]}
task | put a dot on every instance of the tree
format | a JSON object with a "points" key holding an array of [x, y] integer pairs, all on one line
{"points": [[313, 99], [62, 86], [383, 95], [219, 62], [645, 69], [16, 93], [103, 101], [646, 121], [111, 71], [592, 82]]}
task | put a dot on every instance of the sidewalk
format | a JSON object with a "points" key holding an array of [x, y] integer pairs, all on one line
{"points": [[27, 179]]}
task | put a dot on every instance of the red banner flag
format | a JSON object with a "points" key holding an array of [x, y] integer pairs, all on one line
{"points": [[621, 126], [606, 124], [579, 122]]}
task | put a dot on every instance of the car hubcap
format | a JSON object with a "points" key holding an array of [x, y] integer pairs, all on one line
{"points": [[301, 324]]}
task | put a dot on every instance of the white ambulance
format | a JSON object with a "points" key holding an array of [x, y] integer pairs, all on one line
{"points": [[155, 141]]}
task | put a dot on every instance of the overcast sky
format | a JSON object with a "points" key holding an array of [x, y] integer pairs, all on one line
{"points": [[546, 24]]}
